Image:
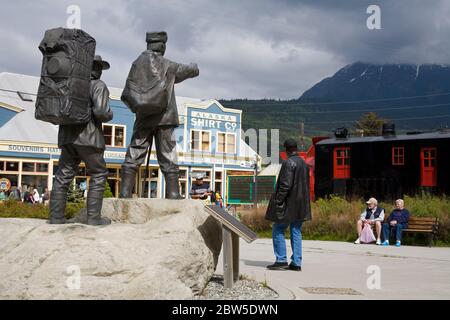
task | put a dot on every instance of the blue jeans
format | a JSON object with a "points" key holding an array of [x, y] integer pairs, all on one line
{"points": [[397, 229], [279, 242]]}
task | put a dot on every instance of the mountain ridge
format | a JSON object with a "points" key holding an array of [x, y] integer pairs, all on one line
{"points": [[414, 97]]}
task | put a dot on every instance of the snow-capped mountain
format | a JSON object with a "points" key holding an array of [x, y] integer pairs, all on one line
{"points": [[361, 81]]}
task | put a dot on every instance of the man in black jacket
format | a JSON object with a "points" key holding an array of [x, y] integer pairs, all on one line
{"points": [[159, 126], [289, 207], [84, 143]]}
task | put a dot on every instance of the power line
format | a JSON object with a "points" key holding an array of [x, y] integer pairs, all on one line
{"points": [[341, 111], [374, 100], [397, 119], [356, 110], [317, 103], [17, 91]]}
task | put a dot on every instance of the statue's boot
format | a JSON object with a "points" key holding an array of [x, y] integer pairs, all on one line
{"points": [[172, 186], [94, 204], [57, 207], [128, 178]]}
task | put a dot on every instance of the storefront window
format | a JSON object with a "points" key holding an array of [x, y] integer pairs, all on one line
{"points": [[195, 140], [200, 140], [226, 142], [221, 142], [154, 173], [205, 141], [28, 166], [2, 165], [12, 166], [37, 182], [112, 173], [42, 167], [108, 133], [183, 185], [231, 143], [114, 135], [153, 189], [112, 185], [119, 137]]}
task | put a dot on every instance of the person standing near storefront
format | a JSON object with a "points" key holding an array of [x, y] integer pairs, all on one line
{"points": [[36, 196], [16, 193], [28, 195], [86, 143], [289, 207], [45, 196]]}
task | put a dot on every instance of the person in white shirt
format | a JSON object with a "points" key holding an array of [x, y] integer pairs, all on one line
{"points": [[374, 215], [36, 196]]}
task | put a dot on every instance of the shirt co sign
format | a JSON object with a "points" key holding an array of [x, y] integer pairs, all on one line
{"points": [[212, 120]]}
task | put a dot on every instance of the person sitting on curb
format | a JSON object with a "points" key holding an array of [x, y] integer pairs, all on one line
{"points": [[373, 215], [397, 221]]}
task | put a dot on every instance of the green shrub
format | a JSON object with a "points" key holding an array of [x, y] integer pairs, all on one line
{"points": [[108, 193], [17, 209]]}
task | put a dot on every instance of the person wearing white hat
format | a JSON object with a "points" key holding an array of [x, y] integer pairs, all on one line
{"points": [[372, 216], [200, 189]]}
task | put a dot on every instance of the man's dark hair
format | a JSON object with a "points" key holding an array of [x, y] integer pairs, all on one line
{"points": [[290, 145]]}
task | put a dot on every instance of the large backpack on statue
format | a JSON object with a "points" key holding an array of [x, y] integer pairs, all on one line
{"points": [[149, 85], [63, 94]]}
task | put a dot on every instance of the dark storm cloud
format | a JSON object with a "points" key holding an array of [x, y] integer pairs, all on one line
{"points": [[252, 48]]}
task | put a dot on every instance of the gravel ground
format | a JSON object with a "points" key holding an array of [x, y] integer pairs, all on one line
{"points": [[244, 289]]}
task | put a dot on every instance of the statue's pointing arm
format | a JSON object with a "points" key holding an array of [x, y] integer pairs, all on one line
{"points": [[186, 71], [100, 103]]}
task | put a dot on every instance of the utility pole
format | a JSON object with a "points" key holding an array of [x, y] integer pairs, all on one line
{"points": [[302, 136], [255, 185]]}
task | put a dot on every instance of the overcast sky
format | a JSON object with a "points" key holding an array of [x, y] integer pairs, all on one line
{"points": [[244, 48]]}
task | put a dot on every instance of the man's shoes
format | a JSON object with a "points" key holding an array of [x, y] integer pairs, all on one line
{"points": [[385, 243], [357, 241], [294, 267], [278, 266], [378, 241], [398, 243]]}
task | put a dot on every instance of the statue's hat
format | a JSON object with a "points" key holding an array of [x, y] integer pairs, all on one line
{"points": [[156, 36], [98, 60]]}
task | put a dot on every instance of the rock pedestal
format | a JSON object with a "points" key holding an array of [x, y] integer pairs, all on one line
{"points": [[154, 249]]}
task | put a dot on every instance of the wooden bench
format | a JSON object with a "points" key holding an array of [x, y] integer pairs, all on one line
{"points": [[426, 225]]}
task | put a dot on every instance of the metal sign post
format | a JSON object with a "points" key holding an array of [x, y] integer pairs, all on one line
{"points": [[232, 229]]}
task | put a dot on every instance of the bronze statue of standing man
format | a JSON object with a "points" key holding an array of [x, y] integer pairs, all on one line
{"points": [[84, 143], [149, 93]]}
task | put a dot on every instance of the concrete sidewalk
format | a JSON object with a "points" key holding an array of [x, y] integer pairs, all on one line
{"points": [[405, 273]]}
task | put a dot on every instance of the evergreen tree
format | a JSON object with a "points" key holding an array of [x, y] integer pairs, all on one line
{"points": [[75, 194], [108, 193], [370, 124]]}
